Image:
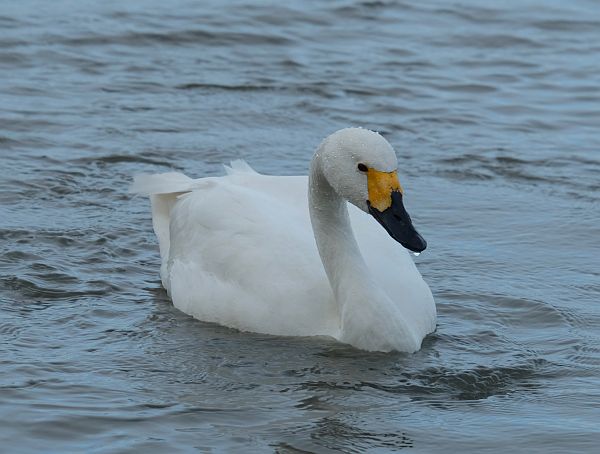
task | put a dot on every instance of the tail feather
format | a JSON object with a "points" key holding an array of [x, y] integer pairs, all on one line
{"points": [[163, 190], [161, 183]]}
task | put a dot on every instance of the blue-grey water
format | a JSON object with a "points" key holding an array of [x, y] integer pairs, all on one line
{"points": [[494, 110]]}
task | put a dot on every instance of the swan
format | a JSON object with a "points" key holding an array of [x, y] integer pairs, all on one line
{"points": [[253, 252]]}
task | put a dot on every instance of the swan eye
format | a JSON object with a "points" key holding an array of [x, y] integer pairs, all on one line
{"points": [[362, 167]]}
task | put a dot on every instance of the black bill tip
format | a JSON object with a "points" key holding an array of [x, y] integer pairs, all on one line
{"points": [[396, 221]]}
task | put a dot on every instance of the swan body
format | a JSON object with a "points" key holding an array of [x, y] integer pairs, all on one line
{"points": [[253, 252]]}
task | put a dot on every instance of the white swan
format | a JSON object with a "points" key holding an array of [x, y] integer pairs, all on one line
{"points": [[239, 250]]}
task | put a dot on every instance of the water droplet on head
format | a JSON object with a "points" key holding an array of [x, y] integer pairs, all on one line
{"points": [[416, 254]]}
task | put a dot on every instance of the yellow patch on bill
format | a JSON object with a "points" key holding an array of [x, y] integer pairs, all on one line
{"points": [[381, 185]]}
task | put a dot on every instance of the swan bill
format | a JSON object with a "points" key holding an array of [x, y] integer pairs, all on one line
{"points": [[380, 186], [396, 221]]}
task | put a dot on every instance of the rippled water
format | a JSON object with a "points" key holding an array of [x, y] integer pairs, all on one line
{"points": [[494, 110]]}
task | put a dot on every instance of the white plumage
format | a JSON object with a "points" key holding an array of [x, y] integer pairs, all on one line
{"points": [[240, 250]]}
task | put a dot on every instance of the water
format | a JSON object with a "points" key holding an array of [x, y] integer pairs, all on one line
{"points": [[493, 109]]}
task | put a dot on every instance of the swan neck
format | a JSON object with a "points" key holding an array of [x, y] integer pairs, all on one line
{"points": [[344, 265], [368, 318]]}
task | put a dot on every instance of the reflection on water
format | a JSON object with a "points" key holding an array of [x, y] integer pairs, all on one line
{"points": [[493, 111]]}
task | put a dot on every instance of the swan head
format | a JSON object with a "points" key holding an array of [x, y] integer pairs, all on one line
{"points": [[361, 166]]}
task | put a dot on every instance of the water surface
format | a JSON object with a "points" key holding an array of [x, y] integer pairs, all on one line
{"points": [[494, 113]]}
